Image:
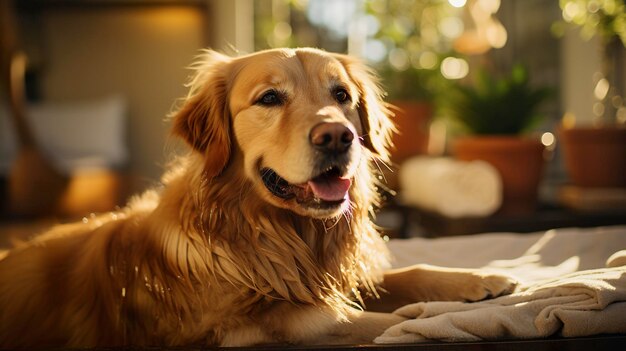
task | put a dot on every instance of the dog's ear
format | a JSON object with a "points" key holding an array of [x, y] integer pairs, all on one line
{"points": [[203, 121], [373, 111]]}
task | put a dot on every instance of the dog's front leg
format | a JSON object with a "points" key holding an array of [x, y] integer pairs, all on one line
{"points": [[362, 327], [431, 283], [298, 325]]}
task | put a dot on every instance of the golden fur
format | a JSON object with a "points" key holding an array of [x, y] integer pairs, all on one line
{"points": [[213, 258]]}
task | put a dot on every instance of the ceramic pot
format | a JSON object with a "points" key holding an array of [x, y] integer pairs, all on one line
{"points": [[595, 157], [412, 119], [520, 162]]}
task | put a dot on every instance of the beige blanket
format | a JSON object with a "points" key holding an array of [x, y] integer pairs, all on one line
{"points": [[573, 283]]}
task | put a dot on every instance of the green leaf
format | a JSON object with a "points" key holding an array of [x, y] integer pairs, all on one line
{"points": [[506, 105]]}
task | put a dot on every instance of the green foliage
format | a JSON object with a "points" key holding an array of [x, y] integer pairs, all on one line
{"points": [[606, 18], [412, 29], [411, 84], [506, 106]]}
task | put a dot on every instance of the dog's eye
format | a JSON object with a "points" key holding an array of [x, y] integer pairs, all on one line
{"points": [[270, 98], [341, 95]]}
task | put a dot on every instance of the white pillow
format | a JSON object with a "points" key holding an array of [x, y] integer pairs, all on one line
{"points": [[74, 135]]}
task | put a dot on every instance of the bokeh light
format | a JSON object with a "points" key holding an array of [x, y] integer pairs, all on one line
{"points": [[601, 89], [428, 60], [457, 3], [375, 50], [454, 68], [399, 59], [496, 35], [547, 139], [451, 27]]}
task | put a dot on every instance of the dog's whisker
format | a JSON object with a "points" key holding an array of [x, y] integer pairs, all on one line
{"points": [[324, 226], [336, 222], [346, 215], [378, 160], [380, 171]]}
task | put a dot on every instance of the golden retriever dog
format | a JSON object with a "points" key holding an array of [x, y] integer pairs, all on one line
{"points": [[261, 234]]}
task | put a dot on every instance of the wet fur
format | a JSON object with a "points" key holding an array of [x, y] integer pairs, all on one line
{"points": [[205, 260], [212, 259]]}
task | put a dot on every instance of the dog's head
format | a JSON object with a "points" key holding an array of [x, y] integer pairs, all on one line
{"points": [[303, 120]]}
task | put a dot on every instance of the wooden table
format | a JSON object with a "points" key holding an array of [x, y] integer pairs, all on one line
{"points": [[411, 221]]}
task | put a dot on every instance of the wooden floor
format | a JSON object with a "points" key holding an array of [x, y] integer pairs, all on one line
{"points": [[596, 343]]}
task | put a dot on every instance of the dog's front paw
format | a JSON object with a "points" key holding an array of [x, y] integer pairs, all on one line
{"points": [[431, 283], [478, 286]]}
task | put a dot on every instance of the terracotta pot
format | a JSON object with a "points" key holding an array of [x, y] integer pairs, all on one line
{"points": [[595, 157], [412, 119], [519, 161]]}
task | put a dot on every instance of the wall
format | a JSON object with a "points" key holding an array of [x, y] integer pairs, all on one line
{"points": [[140, 52], [233, 25], [580, 61]]}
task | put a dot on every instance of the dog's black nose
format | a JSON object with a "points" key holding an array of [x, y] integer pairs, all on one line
{"points": [[331, 137]]}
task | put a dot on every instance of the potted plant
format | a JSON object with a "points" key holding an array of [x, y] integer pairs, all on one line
{"points": [[408, 36], [495, 113], [595, 155], [411, 102]]}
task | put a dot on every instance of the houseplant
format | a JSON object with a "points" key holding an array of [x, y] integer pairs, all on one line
{"points": [[411, 98], [494, 113], [595, 155], [411, 49]]}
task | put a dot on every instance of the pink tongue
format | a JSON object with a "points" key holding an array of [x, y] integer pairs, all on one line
{"points": [[330, 189]]}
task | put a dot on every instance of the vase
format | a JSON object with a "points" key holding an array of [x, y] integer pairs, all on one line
{"points": [[519, 161], [412, 121], [595, 157]]}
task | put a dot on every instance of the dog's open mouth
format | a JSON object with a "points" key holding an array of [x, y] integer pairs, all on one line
{"points": [[328, 189]]}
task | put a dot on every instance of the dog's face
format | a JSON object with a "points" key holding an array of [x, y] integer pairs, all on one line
{"points": [[297, 125], [302, 120]]}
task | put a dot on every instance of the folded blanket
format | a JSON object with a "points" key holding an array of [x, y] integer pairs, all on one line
{"points": [[451, 187], [579, 303]]}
